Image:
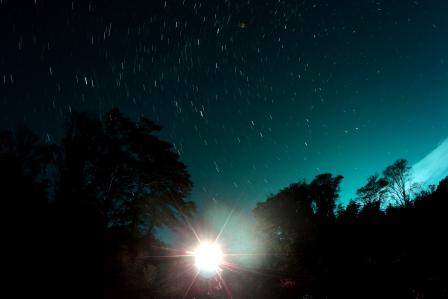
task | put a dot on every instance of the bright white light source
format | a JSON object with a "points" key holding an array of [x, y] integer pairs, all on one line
{"points": [[208, 257]]}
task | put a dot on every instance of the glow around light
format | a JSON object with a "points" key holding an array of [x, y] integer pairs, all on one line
{"points": [[208, 257]]}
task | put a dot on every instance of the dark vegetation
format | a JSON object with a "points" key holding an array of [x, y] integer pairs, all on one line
{"points": [[81, 214], [365, 250]]}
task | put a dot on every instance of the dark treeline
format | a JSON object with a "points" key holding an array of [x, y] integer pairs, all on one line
{"points": [[369, 249], [81, 214], [85, 210]]}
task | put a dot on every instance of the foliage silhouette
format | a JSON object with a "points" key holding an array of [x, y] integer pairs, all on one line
{"points": [[399, 181], [374, 191], [99, 195], [133, 178], [24, 182], [365, 251]]}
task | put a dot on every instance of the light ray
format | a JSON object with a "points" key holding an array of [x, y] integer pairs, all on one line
{"points": [[165, 248], [243, 254], [235, 268], [164, 256], [226, 288], [224, 225], [186, 220], [191, 285]]}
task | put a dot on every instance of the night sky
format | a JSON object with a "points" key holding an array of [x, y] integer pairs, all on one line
{"points": [[254, 95]]}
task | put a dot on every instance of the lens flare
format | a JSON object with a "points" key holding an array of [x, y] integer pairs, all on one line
{"points": [[208, 257]]}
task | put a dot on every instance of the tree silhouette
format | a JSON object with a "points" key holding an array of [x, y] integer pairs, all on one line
{"points": [[24, 194], [399, 181], [285, 220], [23, 173], [362, 251], [133, 178], [324, 191], [373, 191], [296, 224], [99, 195]]}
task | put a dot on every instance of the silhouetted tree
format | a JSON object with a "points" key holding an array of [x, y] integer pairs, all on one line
{"points": [[132, 177], [374, 191], [324, 191], [350, 212], [24, 194], [285, 219], [99, 196], [399, 182], [296, 225], [281, 212], [116, 182], [23, 172], [364, 252]]}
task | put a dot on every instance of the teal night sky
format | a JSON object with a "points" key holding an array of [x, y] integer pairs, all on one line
{"points": [[255, 95]]}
